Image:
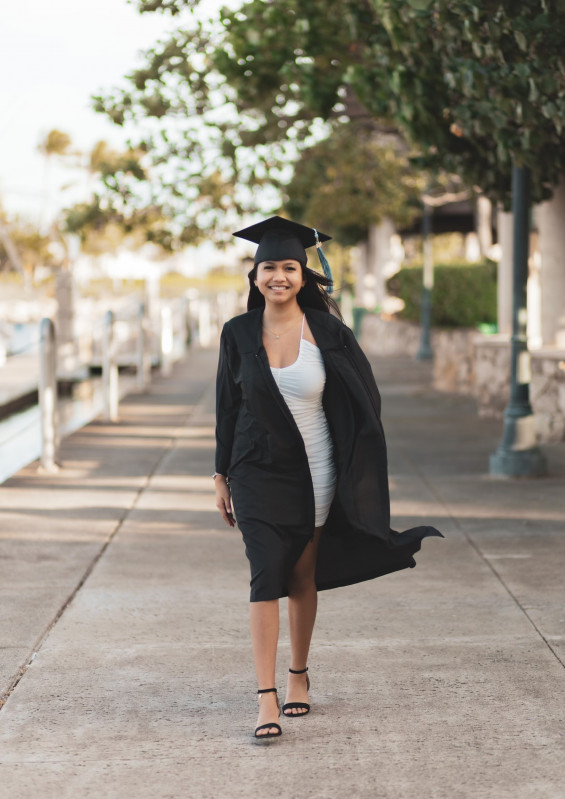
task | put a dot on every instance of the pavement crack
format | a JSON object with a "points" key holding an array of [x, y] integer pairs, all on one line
{"points": [[171, 444], [440, 500]]}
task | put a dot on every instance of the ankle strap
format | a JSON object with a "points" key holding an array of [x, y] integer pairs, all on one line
{"points": [[267, 691], [302, 671]]}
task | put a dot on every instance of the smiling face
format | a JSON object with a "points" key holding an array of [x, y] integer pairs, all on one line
{"points": [[279, 281]]}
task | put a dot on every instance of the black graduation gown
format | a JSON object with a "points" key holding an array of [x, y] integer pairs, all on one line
{"points": [[260, 449]]}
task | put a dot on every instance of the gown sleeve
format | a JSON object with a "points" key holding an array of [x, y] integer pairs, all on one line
{"points": [[228, 401]]}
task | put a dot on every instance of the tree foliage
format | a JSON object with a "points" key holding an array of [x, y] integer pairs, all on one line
{"points": [[223, 110], [349, 181], [56, 142], [499, 77], [32, 247], [224, 141], [110, 218], [474, 85], [179, 113]]}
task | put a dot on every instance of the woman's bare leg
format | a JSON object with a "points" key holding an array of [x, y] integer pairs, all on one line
{"points": [[302, 607], [264, 623]]}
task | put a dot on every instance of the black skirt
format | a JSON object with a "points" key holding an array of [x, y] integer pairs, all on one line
{"points": [[274, 549]]}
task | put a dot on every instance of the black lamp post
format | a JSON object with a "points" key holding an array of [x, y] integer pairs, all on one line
{"points": [[425, 352], [517, 454]]}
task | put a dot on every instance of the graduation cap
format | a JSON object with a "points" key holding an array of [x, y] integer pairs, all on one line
{"points": [[280, 238]]}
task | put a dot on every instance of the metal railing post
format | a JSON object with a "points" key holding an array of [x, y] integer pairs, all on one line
{"points": [[48, 396], [142, 355], [109, 370], [204, 323], [425, 351], [193, 321], [184, 324], [166, 340]]}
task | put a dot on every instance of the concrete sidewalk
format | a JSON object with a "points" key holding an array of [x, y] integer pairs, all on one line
{"points": [[124, 648]]}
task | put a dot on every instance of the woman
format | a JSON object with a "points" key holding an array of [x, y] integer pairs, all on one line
{"points": [[301, 451]]}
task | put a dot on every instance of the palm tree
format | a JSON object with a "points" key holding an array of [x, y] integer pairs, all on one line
{"points": [[56, 143]]}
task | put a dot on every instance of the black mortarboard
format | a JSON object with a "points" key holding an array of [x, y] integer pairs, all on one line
{"points": [[280, 238]]}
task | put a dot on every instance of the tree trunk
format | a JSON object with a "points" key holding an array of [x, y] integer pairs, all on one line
{"points": [[11, 250]]}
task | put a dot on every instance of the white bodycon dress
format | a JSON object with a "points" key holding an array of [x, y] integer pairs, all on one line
{"points": [[302, 385]]}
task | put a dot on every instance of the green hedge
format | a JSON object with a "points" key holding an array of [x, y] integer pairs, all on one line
{"points": [[464, 294]]}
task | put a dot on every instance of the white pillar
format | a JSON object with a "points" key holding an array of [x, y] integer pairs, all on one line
{"points": [[505, 271], [535, 339], [484, 224], [550, 218], [383, 259], [359, 262]]}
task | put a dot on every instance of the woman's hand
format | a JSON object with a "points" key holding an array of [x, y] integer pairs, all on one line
{"points": [[223, 499]]}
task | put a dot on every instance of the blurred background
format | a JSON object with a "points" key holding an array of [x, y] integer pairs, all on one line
{"points": [[137, 135]]}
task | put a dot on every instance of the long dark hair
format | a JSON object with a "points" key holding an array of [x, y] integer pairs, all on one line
{"points": [[311, 295]]}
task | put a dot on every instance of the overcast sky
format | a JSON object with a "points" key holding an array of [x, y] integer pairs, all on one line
{"points": [[53, 55]]}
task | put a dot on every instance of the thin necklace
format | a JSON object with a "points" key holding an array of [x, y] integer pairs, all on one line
{"points": [[278, 335]]}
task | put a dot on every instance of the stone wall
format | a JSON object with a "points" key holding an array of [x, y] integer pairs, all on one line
{"points": [[467, 362], [547, 386], [491, 388], [454, 360], [547, 394], [380, 336]]}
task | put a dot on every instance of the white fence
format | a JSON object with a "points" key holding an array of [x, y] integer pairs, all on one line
{"points": [[123, 347]]}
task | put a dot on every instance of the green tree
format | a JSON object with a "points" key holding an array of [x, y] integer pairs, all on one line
{"points": [[55, 144], [22, 247], [473, 86], [116, 214], [229, 150], [349, 181], [499, 77]]}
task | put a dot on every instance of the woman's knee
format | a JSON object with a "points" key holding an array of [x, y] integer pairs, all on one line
{"points": [[304, 571], [302, 577]]}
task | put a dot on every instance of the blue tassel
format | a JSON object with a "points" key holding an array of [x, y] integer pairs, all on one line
{"points": [[324, 262]]}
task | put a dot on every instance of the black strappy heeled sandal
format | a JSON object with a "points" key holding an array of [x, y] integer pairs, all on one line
{"points": [[298, 705], [268, 735]]}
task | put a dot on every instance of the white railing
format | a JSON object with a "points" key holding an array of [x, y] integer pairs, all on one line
{"points": [[125, 340], [122, 341], [48, 403]]}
